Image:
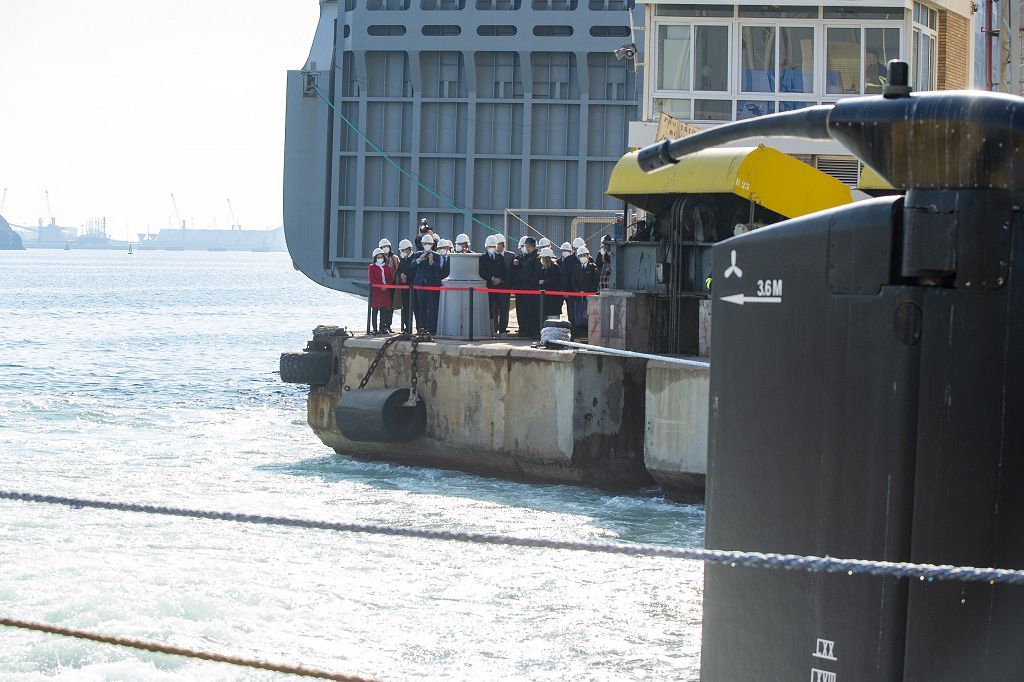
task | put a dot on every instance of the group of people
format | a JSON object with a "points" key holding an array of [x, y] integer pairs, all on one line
{"points": [[425, 262]]}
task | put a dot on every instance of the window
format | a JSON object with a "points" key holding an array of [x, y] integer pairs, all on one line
{"points": [[791, 56], [443, 4], [923, 68], [782, 12], [708, 52], [564, 5], [695, 10], [499, 4], [856, 58], [441, 30], [865, 13], [610, 31], [385, 30], [552, 31], [387, 4], [491, 30]]}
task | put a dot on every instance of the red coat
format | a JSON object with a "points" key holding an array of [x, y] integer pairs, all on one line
{"points": [[380, 298]]}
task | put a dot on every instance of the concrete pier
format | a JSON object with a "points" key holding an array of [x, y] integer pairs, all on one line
{"points": [[676, 429], [501, 409]]}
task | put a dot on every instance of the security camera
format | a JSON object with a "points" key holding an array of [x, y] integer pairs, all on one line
{"points": [[627, 51]]}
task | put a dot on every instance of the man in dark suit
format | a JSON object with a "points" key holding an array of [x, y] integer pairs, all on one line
{"points": [[503, 299], [428, 273], [527, 273], [493, 271]]}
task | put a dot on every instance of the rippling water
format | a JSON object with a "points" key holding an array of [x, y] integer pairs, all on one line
{"points": [[151, 378]]}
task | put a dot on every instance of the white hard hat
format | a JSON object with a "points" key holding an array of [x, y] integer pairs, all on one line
{"points": [[377, 252], [582, 250], [444, 244], [543, 242], [500, 238], [546, 251], [522, 240], [566, 246], [404, 244], [426, 239], [491, 240], [578, 242], [383, 243], [462, 239]]}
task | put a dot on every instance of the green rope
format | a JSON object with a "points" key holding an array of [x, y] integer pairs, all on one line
{"points": [[409, 174]]}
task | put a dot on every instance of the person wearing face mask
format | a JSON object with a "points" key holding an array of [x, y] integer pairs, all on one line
{"points": [[522, 245], [604, 261], [504, 302], [390, 257], [424, 228], [462, 244], [492, 271], [550, 278], [380, 272], [567, 266], [527, 271], [406, 274], [444, 249], [428, 274], [585, 278]]}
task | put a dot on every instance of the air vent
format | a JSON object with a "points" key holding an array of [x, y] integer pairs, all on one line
{"points": [[845, 169]]}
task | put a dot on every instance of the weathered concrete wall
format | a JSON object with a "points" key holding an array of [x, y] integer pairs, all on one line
{"points": [[676, 441], [501, 409]]}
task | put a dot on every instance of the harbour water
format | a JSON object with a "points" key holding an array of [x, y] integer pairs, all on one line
{"points": [[151, 378]]}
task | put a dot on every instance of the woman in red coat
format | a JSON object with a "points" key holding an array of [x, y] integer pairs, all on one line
{"points": [[381, 272]]}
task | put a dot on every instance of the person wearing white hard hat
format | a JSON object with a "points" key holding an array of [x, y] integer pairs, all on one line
{"points": [[504, 299], [380, 273], [492, 270], [586, 278], [428, 274], [567, 265], [526, 276], [522, 244], [444, 249], [424, 228], [392, 258], [462, 244], [551, 280], [406, 274]]}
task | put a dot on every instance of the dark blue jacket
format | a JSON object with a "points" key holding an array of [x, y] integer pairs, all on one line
{"points": [[566, 267], [407, 267], [427, 274], [493, 267], [586, 278], [446, 269], [527, 273]]}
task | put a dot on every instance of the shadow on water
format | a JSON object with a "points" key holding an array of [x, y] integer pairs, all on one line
{"points": [[645, 516]]}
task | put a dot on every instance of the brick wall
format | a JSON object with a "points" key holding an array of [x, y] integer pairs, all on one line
{"points": [[954, 40]]}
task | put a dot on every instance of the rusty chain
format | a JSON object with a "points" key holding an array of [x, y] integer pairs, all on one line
{"points": [[416, 340]]}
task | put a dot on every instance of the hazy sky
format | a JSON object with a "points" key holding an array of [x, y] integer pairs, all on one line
{"points": [[111, 105]]}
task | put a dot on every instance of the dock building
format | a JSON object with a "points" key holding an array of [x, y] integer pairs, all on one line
{"points": [[711, 62]]}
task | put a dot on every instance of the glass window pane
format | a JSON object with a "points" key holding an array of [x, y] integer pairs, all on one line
{"points": [[796, 54], [793, 106], [862, 13], [926, 71], [673, 57], [711, 59], [712, 110], [880, 45], [695, 10], [747, 108], [842, 61], [785, 12], [677, 108], [758, 55]]}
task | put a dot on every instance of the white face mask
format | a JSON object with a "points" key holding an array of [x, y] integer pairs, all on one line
{"points": [[522, 249], [584, 259], [428, 247], [387, 249], [407, 253], [379, 260], [566, 254], [491, 249], [442, 252]]}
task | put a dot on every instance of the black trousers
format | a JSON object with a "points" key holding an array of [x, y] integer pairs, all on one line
{"points": [[502, 312], [427, 303], [407, 313], [528, 312], [384, 315]]}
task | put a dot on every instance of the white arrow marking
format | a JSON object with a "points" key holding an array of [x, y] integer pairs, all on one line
{"points": [[740, 299]]}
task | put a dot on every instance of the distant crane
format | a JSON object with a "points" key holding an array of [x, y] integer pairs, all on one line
{"points": [[3, 202], [176, 214], [234, 220], [49, 211]]}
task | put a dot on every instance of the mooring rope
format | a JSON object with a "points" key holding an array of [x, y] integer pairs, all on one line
{"points": [[697, 364], [733, 558], [157, 647]]}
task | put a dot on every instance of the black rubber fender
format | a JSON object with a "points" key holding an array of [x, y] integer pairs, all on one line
{"points": [[379, 415], [307, 367]]}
